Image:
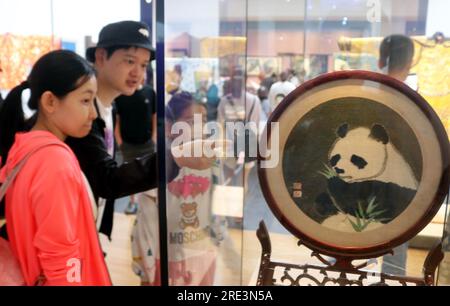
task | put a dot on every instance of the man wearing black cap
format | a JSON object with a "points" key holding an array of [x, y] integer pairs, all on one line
{"points": [[120, 58]]}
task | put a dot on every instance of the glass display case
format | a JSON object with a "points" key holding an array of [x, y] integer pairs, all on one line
{"points": [[205, 60], [236, 50], [223, 70]]}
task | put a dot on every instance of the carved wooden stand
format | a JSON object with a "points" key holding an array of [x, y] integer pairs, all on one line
{"points": [[348, 274]]}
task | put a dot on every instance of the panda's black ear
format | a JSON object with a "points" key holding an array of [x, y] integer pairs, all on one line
{"points": [[379, 133], [342, 130]]}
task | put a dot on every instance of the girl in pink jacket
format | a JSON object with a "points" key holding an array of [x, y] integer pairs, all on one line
{"points": [[49, 214]]}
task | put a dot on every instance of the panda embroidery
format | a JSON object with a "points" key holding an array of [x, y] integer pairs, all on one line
{"points": [[369, 182]]}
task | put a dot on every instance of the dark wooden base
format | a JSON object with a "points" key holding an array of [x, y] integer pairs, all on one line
{"points": [[339, 272]]}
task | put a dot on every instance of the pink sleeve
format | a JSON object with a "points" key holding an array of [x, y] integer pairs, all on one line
{"points": [[55, 197]]}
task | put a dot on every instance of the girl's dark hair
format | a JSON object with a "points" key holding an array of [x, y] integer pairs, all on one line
{"points": [[59, 72], [178, 104]]}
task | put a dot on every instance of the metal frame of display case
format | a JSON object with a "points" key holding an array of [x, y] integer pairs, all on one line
{"points": [[161, 143]]}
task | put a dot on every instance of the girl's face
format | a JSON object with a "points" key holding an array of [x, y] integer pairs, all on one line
{"points": [[73, 115], [190, 117], [187, 116], [200, 110]]}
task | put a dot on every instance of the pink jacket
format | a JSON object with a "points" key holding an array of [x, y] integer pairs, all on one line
{"points": [[49, 215]]}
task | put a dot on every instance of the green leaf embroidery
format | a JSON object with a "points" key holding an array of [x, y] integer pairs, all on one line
{"points": [[364, 217]]}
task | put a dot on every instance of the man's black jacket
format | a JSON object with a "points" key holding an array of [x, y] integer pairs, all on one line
{"points": [[109, 180]]}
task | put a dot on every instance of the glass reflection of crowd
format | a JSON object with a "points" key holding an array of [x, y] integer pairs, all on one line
{"points": [[212, 93], [235, 99], [230, 100]]}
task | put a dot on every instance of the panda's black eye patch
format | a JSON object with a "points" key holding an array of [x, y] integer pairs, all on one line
{"points": [[334, 160], [358, 161]]}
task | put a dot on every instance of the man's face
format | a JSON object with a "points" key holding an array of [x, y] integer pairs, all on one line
{"points": [[124, 71]]}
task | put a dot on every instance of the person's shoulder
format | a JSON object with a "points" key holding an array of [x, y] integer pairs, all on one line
{"points": [[120, 100], [287, 85], [148, 91], [147, 87], [274, 88], [276, 85], [54, 167], [61, 150], [54, 158]]}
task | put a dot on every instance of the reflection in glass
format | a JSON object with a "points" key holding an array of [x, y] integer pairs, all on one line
{"points": [[205, 64]]}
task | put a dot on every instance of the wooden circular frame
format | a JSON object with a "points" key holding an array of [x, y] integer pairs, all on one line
{"points": [[333, 249]]}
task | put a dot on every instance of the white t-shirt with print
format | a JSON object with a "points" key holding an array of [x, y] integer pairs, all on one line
{"points": [[107, 116], [105, 112]]}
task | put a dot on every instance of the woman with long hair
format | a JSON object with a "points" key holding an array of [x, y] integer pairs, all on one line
{"points": [[49, 214]]}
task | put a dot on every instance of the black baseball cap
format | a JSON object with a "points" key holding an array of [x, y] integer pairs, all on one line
{"points": [[123, 33]]}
